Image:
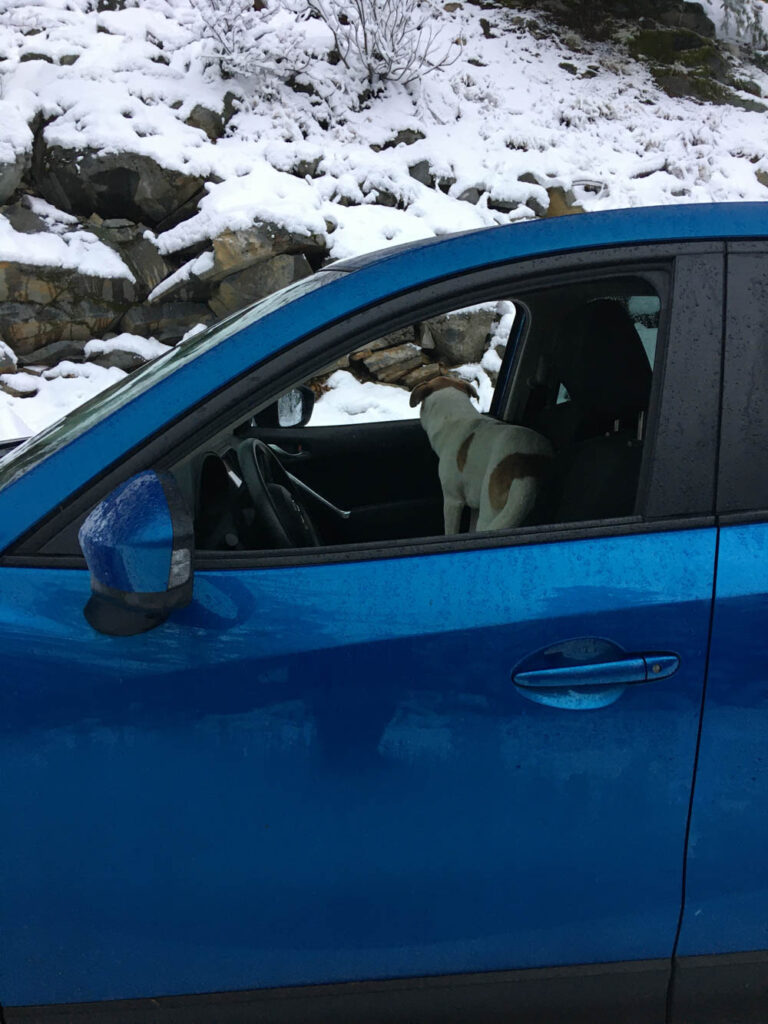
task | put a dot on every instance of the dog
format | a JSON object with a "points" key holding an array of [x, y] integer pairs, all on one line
{"points": [[492, 467]]}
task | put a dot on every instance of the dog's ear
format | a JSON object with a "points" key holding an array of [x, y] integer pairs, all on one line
{"points": [[466, 387], [419, 393]]}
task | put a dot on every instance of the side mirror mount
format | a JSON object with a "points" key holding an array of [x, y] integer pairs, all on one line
{"points": [[294, 408], [138, 545]]}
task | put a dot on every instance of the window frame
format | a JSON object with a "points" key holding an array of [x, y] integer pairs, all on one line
{"points": [[661, 501]]}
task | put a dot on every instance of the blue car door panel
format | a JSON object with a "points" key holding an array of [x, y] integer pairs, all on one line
{"points": [[326, 773]]}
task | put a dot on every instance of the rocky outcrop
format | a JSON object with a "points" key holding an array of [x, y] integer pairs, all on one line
{"points": [[124, 185]]}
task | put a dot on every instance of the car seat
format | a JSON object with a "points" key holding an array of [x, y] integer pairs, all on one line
{"points": [[597, 431]]}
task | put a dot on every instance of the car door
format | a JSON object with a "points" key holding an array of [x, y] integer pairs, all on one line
{"points": [[321, 770], [721, 956]]}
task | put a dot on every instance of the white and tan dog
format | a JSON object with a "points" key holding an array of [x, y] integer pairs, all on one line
{"points": [[492, 467]]}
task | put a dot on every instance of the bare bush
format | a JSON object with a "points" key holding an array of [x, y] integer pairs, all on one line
{"points": [[246, 38], [387, 40]]}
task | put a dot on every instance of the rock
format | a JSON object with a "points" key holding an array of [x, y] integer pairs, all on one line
{"points": [[503, 205], [679, 84], [422, 173], [391, 364], [404, 336], [67, 59], [139, 253], [207, 120], [471, 195], [462, 337], [257, 282], [8, 361], [50, 355], [234, 251], [11, 175], [21, 386], [688, 15], [421, 374], [232, 104], [405, 137], [23, 220], [762, 177], [36, 56], [561, 202], [111, 184], [66, 288], [671, 47], [118, 358], [307, 168], [28, 325], [166, 321]]}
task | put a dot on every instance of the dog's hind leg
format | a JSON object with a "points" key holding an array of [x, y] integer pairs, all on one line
{"points": [[519, 504], [452, 509]]}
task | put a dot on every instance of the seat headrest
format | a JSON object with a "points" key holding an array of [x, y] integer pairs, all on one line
{"points": [[602, 360]]}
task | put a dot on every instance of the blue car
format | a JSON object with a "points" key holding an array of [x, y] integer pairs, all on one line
{"points": [[276, 747]]}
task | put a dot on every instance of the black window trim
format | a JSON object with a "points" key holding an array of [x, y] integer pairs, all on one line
{"points": [[213, 415]]}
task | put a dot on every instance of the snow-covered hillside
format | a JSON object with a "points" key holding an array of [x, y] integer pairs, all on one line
{"points": [[525, 122]]}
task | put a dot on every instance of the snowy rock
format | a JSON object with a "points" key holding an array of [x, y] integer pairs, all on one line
{"points": [[137, 251], [19, 385], [20, 282], [257, 282], [185, 283], [50, 355], [7, 358], [23, 220], [234, 251], [128, 185], [125, 352], [208, 121], [422, 172]]}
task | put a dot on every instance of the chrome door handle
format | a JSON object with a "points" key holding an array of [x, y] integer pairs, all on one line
{"points": [[635, 668]]}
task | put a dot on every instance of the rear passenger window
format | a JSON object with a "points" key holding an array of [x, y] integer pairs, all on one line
{"points": [[582, 378]]}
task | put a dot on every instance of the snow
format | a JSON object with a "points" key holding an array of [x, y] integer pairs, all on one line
{"points": [[520, 111], [349, 400], [147, 348], [69, 250], [56, 392]]}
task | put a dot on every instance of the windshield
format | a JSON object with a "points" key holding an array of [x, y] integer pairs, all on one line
{"points": [[106, 402]]}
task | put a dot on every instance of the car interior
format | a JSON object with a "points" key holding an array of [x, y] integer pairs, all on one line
{"points": [[576, 366]]}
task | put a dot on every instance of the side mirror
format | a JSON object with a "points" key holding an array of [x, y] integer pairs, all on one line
{"points": [[294, 408], [138, 545]]}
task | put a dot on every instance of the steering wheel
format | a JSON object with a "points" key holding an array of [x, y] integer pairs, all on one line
{"points": [[281, 520]]}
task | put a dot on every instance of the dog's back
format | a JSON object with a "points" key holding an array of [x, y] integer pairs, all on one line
{"points": [[492, 467]]}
